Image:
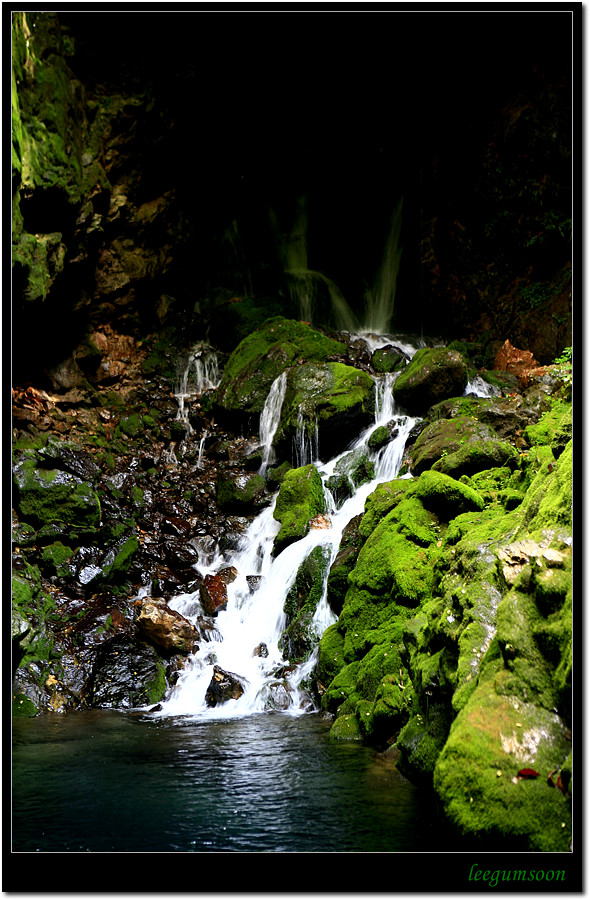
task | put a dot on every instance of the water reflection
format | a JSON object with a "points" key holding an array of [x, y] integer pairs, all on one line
{"points": [[108, 781]]}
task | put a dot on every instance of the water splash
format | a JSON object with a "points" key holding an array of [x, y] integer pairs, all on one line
{"points": [[380, 300]]}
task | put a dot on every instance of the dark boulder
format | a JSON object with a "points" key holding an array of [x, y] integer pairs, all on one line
{"points": [[223, 686]]}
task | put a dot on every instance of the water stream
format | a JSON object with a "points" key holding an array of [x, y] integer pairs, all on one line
{"points": [[255, 618]]}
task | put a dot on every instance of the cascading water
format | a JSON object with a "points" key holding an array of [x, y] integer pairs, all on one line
{"points": [[270, 418], [198, 373], [254, 617]]}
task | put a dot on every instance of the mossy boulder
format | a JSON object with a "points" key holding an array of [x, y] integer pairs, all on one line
{"points": [[445, 495], [433, 374], [262, 356], [460, 446], [388, 359], [299, 638], [300, 499], [45, 495], [494, 738], [240, 493], [324, 404]]}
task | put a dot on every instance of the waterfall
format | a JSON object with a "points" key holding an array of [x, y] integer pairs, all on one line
{"points": [[306, 442], [254, 616], [380, 301], [270, 418], [305, 283], [199, 373]]}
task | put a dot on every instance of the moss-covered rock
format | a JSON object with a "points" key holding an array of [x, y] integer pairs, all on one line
{"points": [[299, 638], [496, 736], [324, 404], [433, 374], [300, 498], [262, 356], [445, 495], [460, 446], [242, 493], [51, 495], [350, 472]]}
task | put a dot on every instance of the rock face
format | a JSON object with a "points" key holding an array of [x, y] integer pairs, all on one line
{"points": [[459, 601]]}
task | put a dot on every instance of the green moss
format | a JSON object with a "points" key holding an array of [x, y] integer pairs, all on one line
{"points": [[476, 774], [548, 501], [300, 498], [299, 638], [445, 495], [379, 438], [263, 355], [23, 707], [55, 555], [240, 493], [49, 495], [155, 689], [346, 728], [383, 499], [390, 565], [330, 654]]}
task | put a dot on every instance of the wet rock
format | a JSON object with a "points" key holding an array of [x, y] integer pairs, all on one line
{"points": [[223, 686], [50, 495], [213, 594], [240, 493], [254, 582], [261, 650], [261, 357], [350, 472], [127, 674], [165, 628], [434, 374], [324, 404], [460, 446], [388, 359], [279, 696]]}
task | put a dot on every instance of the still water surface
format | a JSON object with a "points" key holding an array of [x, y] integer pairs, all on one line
{"points": [[106, 781]]}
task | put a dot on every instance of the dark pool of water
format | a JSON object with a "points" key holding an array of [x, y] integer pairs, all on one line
{"points": [[107, 781]]}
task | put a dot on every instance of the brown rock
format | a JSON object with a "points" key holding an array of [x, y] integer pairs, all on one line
{"points": [[213, 593], [165, 628]]}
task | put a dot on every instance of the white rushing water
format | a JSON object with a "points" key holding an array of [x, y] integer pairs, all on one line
{"points": [[199, 373], [270, 418], [253, 618]]}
